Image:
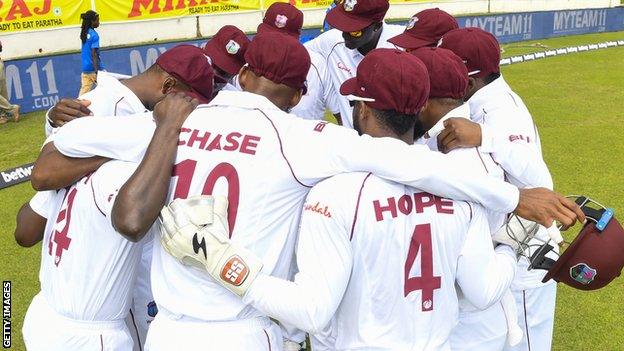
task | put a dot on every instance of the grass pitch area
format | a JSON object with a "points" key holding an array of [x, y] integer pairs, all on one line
{"points": [[577, 101]]}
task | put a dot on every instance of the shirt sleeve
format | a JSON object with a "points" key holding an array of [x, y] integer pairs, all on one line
{"points": [[95, 40], [107, 181], [40, 203], [512, 149], [122, 138], [324, 260], [48, 128], [483, 273], [317, 150]]}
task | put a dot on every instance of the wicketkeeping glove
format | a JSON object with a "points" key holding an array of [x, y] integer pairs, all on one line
{"points": [[516, 232], [195, 231]]}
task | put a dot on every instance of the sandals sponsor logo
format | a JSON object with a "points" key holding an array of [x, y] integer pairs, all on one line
{"points": [[318, 208]]}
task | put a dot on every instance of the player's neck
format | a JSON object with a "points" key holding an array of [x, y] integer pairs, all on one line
{"points": [[137, 87], [372, 44], [382, 132], [442, 109]]}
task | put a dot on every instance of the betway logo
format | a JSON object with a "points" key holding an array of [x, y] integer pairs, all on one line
{"points": [[16, 174]]}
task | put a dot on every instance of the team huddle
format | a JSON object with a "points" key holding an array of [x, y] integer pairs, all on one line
{"points": [[205, 204]]}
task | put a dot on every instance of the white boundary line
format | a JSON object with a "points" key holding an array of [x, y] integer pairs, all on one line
{"points": [[556, 52]]}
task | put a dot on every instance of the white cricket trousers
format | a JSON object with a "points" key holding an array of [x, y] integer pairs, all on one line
{"points": [[481, 330], [254, 334], [46, 330], [536, 317]]}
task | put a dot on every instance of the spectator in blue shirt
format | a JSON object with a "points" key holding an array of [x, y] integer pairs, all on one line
{"points": [[91, 62]]}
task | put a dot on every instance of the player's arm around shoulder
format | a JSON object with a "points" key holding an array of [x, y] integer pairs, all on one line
{"points": [[324, 260], [483, 273], [31, 220]]}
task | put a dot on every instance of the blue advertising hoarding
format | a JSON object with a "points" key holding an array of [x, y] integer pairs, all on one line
{"points": [[38, 83]]}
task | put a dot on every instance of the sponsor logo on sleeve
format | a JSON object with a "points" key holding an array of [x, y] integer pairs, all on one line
{"points": [[320, 126], [318, 208]]}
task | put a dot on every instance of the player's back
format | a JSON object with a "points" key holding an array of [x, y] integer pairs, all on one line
{"points": [[87, 268], [238, 152], [406, 244]]}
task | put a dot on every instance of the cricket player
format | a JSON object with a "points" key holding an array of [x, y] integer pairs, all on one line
{"points": [[226, 50], [113, 97], [319, 95], [425, 29], [476, 329], [264, 160], [88, 270], [358, 29], [340, 249], [506, 129]]}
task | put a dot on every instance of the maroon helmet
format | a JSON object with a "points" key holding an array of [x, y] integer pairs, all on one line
{"points": [[594, 258]]}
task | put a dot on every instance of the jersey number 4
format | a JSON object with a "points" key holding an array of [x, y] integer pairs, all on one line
{"points": [[59, 237], [185, 170], [427, 283]]}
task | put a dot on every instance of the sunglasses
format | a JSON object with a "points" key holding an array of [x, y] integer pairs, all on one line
{"points": [[359, 33], [356, 34]]}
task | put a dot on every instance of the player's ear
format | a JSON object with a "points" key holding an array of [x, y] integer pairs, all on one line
{"points": [[296, 98], [168, 84], [243, 77], [472, 87]]}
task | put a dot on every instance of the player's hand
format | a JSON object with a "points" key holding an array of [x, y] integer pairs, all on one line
{"points": [[173, 110], [545, 206], [516, 232], [458, 132], [195, 231], [67, 110]]}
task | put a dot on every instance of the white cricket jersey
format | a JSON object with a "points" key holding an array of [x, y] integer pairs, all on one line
{"points": [[511, 136], [342, 62], [400, 250], [321, 93], [473, 158], [109, 98], [265, 160], [88, 270]]}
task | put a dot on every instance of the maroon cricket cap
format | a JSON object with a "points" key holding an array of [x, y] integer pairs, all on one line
{"points": [[227, 49], [282, 17], [448, 75], [389, 79], [425, 28], [479, 49], [279, 58], [355, 15], [192, 67]]}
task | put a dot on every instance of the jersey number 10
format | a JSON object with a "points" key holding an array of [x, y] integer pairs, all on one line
{"points": [[427, 283], [184, 170]]}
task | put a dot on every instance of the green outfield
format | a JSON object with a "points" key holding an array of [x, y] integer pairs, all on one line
{"points": [[577, 101]]}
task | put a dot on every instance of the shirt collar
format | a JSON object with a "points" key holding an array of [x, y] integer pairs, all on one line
{"points": [[120, 90], [497, 86], [242, 99], [462, 111], [430, 139]]}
